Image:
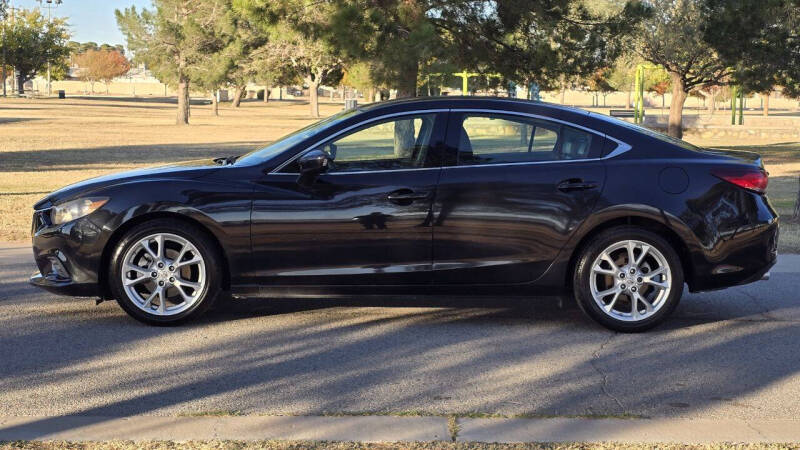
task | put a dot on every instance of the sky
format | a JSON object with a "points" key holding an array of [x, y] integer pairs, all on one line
{"points": [[89, 20]]}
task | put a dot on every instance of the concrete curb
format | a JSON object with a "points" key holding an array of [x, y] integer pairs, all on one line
{"points": [[246, 428], [685, 431], [395, 429]]}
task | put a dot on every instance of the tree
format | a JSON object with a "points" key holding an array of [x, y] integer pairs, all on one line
{"points": [[287, 24], [623, 75], [101, 65], [271, 70], [530, 42], [31, 42], [358, 76], [661, 88], [598, 83], [761, 40], [673, 38], [172, 40], [551, 43]]}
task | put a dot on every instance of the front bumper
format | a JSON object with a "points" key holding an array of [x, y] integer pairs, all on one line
{"points": [[69, 256], [64, 287]]}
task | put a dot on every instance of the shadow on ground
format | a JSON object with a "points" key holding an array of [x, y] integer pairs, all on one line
{"points": [[426, 355]]}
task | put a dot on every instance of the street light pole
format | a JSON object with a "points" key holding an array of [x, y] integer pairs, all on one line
{"points": [[50, 23], [5, 74], [4, 56]]}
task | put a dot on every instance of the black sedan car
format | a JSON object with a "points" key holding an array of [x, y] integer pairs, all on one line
{"points": [[432, 196]]}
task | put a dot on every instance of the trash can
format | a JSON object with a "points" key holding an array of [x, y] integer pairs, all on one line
{"points": [[62, 94], [350, 103]]}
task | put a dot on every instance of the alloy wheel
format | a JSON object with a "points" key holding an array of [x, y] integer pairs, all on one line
{"points": [[163, 274], [630, 280]]}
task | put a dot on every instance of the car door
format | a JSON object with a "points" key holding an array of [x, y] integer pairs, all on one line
{"points": [[514, 190], [367, 220]]}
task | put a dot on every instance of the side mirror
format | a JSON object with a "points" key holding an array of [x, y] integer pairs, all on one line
{"points": [[312, 165]]}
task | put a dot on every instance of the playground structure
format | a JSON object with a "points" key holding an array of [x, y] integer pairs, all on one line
{"points": [[533, 91]]}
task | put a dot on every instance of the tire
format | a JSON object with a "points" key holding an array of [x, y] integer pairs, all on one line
{"points": [[190, 285], [621, 286]]}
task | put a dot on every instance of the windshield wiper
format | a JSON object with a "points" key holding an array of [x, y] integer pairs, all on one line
{"points": [[226, 160]]}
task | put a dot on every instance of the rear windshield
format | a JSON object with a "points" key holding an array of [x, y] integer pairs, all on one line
{"points": [[653, 134]]}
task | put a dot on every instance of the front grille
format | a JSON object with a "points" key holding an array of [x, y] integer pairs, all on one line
{"points": [[41, 219]]}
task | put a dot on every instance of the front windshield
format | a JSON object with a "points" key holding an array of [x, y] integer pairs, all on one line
{"points": [[290, 140]]}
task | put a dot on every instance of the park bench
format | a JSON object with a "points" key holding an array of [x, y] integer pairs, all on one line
{"points": [[623, 113]]}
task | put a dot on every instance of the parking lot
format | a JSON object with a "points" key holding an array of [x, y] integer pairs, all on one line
{"points": [[725, 354]]}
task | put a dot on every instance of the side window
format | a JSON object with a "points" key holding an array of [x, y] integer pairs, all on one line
{"points": [[398, 143], [496, 139]]}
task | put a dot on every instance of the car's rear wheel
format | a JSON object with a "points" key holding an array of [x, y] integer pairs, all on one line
{"points": [[628, 279], [165, 272]]}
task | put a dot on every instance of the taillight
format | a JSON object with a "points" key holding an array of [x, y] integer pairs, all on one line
{"points": [[752, 179]]}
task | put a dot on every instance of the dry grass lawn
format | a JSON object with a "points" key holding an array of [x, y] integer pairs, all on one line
{"points": [[48, 143]]}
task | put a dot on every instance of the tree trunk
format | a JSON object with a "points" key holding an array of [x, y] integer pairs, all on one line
{"points": [[313, 96], [238, 93], [214, 103], [765, 97], [711, 98], [404, 129], [266, 94], [21, 84], [675, 128], [563, 94], [628, 104], [371, 95], [183, 100], [407, 87]]}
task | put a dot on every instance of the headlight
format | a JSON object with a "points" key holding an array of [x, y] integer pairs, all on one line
{"points": [[75, 209]]}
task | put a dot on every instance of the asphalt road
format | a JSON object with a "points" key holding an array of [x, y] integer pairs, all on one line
{"points": [[725, 354]]}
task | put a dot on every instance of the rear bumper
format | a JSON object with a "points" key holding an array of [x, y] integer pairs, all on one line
{"points": [[749, 255]]}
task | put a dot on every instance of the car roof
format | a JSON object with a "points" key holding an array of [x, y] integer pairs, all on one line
{"points": [[467, 102], [613, 127]]}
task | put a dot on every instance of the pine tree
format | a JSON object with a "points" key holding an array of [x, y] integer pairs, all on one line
{"points": [[173, 39]]}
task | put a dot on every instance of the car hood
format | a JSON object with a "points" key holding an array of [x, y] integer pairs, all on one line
{"points": [[184, 170]]}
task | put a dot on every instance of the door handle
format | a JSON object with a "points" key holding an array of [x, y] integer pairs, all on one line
{"points": [[575, 184], [406, 196]]}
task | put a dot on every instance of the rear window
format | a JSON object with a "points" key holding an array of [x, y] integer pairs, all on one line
{"points": [[498, 139]]}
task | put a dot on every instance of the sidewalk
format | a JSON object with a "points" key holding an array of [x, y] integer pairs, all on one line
{"points": [[396, 429]]}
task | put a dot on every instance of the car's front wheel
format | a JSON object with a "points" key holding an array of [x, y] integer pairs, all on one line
{"points": [[628, 279], [165, 272]]}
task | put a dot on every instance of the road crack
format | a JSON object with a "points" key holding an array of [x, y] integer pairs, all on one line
{"points": [[758, 432], [604, 385], [765, 312]]}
